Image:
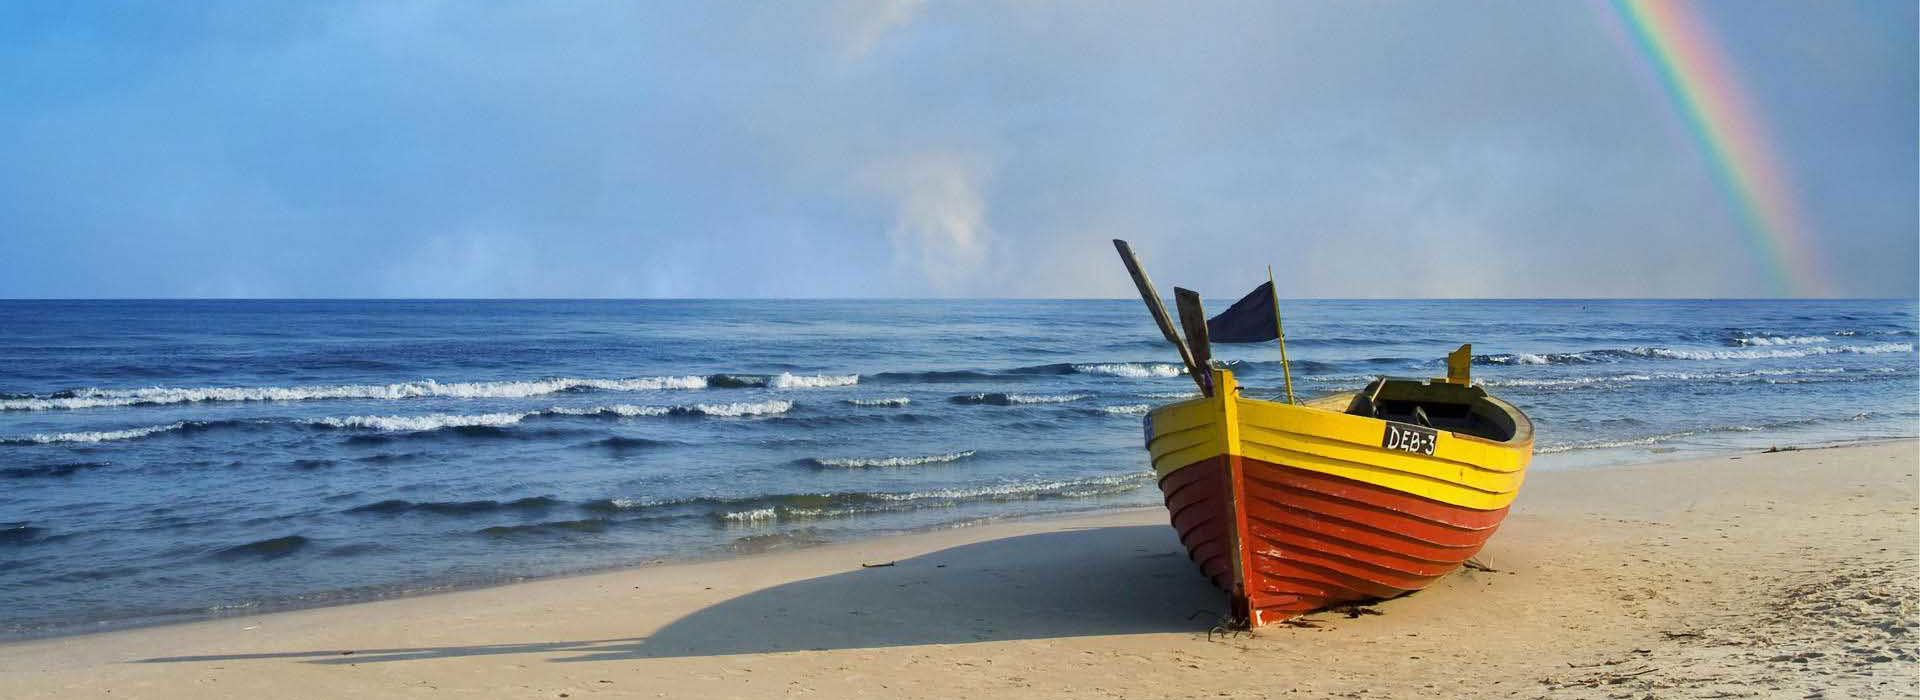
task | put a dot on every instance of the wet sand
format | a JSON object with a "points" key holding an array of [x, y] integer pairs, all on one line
{"points": [[1792, 574]]}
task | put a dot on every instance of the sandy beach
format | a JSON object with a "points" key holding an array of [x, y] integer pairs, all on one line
{"points": [[1789, 574]]}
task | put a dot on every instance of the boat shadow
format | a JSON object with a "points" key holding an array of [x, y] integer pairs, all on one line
{"points": [[1071, 583]]}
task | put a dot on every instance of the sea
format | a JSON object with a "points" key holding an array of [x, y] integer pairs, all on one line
{"points": [[175, 460]]}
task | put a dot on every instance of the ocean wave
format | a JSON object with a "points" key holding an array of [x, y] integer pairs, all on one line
{"points": [[801, 507], [19, 533], [104, 435], [1903, 333], [1782, 340], [1138, 409], [791, 381], [1609, 379], [733, 410], [895, 401], [155, 396], [1608, 444], [783, 380], [1875, 349], [940, 376], [623, 410], [619, 443], [396, 506], [1597, 444], [63, 469], [557, 527], [1132, 370], [264, 549], [811, 506], [438, 421], [1002, 399], [1615, 355], [752, 515], [432, 421], [889, 461], [1175, 394]]}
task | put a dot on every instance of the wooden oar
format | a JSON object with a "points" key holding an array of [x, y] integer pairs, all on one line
{"points": [[1193, 317], [1159, 312]]}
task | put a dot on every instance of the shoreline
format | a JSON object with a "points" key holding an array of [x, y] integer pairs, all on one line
{"points": [[1713, 575], [338, 598]]}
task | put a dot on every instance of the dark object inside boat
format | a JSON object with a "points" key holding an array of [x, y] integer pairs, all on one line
{"points": [[1437, 404]]}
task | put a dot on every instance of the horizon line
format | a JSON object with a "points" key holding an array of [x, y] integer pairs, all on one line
{"points": [[933, 298]]}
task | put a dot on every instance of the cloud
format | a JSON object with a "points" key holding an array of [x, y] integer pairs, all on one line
{"points": [[939, 230], [865, 23], [907, 148]]}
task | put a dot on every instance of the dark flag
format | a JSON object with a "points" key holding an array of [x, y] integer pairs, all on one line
{"points": [[1249, 320]]}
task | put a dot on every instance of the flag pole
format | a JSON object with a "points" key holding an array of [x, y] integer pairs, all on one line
{"points": [[1286, 369]]}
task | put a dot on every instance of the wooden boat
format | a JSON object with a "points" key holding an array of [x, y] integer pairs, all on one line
{"points": [[1292, 507]]}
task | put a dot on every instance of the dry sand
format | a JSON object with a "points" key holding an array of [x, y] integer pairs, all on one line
{"points": [[1762, 575]]}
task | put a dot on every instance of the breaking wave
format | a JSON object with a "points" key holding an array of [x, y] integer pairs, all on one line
{"points": [[98, 398], [437, 421], [896, 401], [889, 461], [1138, 409], [1596, 356], [1610, 379], [1000, 399], [1875, 349], [115, 435], [730, 410], [1175, 394], [433, 421], [1781, 340], [94, 435], [792, 381], [623, 410], [1132, 370]]}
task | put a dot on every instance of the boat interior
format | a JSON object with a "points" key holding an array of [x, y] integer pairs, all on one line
{"points": [[1458, 408]]}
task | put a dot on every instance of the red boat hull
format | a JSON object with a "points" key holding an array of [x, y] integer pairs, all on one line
{"points": [[1284, 542]]}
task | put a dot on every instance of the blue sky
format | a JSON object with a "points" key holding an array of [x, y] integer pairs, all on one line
{"points": [[908, 148]]}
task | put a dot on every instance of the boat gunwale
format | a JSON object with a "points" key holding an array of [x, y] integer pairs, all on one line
{"points": [[1522, 433]]}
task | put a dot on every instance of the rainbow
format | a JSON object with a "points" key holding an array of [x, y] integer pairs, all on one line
{"points": [[1702, 84]]}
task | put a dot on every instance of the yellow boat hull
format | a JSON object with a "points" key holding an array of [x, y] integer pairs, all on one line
{"points": [[1293, 507]]}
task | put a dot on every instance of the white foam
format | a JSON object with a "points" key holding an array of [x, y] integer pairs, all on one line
{"points": [[791, 381], [616, 409], [1176, 394], [432, 421], [1132, 370], [895, 461], [896, 401], [1093, 486], [96, 435], [748, 516], [1046, 398], [1875, 349], [1605, 444], [1654, 376], [1783, 340], [730, 410], [1138, 409], [98, 398]]}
